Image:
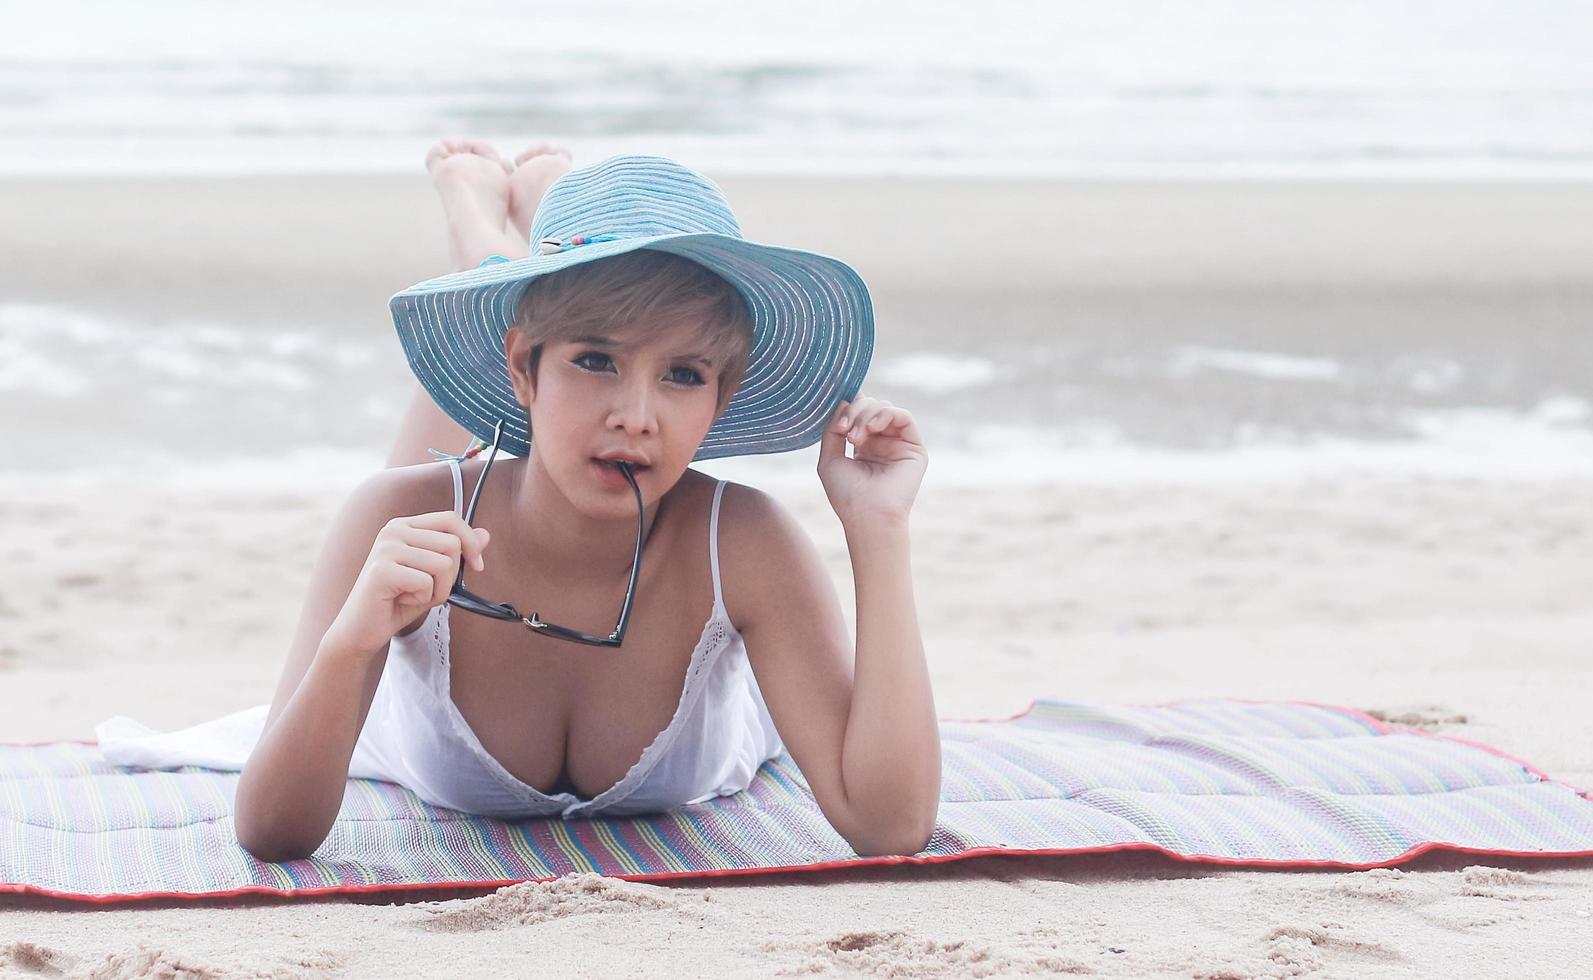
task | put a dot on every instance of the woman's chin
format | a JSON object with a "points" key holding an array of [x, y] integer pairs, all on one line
{"points": [[600, 491]]}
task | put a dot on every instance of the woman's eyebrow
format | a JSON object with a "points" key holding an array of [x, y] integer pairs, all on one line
{"points": [[597, 341]]}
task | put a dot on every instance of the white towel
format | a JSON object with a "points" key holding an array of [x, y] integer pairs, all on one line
{"points": [[222, 743]]}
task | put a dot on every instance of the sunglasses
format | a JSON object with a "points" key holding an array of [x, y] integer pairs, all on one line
{"points": [[464, 599]]}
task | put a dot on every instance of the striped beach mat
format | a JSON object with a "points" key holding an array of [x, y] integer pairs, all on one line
{"points": [[1283, 784]]}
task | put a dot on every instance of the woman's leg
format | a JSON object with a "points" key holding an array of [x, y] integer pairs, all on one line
{"points": [[481, 193], [535, 167], [425, 427]]}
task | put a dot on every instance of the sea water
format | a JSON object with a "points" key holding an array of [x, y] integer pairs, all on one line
{"points": [[1198, 398], [1471, 88], [1163, 88]]}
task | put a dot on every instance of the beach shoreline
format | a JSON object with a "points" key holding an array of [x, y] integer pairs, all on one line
{"points": [[1059, 317], [176, 242]]}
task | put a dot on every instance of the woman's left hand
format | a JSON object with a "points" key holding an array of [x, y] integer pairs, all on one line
{"points": [[881, 478]]}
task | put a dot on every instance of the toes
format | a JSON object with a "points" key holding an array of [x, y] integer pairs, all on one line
{"points": [[541, 149], [438, 150], [462, 146], [482, 148]]}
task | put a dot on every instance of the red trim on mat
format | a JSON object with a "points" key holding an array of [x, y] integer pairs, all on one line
{"points": [[57, 741], [1409, 855]]}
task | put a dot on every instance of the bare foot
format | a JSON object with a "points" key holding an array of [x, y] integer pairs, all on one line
{"points": [[473, 182], [536, 166]]}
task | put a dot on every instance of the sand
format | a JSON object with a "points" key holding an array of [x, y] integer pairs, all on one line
{"points": [[1458, 604]]}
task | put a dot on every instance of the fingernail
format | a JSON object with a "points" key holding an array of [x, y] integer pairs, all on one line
{"points": [[480, 565], [842, 421]]}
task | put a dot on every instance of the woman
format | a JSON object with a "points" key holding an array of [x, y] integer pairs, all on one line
{"points": [[634, 332]]}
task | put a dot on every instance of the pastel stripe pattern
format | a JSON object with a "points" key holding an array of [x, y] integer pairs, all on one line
{"points": [[812, 315], [1283, 784]]}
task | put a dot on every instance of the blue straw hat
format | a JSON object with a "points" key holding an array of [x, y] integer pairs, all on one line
{"points": [[812, 319]]}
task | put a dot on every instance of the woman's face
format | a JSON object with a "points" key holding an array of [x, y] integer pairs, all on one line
{"points": [[649, 396]]}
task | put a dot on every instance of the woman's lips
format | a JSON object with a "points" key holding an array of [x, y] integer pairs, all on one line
{"points": [[609, 473]]}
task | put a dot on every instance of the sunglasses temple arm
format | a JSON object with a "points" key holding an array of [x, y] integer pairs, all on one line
{"points": [[636, 560], [475, 495]]}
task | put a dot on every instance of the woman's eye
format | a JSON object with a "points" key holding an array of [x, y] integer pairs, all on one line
{"points": [[597, 362], [601, 359]]}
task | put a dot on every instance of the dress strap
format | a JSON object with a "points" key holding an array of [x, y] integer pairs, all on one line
{"points": [[713, 547], [459, 487], [453, 461]]}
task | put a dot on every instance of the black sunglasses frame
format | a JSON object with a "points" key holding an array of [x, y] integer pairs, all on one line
{"points": [[463, 598]]}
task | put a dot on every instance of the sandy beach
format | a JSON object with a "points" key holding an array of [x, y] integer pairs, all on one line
{"points": [[1455, 602]]}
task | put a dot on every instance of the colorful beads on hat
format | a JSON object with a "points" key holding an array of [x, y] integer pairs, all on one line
{"points": [[548, 246]]}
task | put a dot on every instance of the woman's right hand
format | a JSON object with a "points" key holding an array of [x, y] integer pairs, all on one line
{"points": [[411, 567]]}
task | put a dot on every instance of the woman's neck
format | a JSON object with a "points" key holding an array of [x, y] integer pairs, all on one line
{"points": [[542, 521]]}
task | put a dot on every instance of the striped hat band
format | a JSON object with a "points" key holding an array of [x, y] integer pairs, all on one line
{"points": [[812, 318]]}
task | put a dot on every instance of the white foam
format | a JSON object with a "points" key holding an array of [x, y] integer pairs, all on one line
{"points": [[1545, 442], [936, 373], [1189, 360], [60, 352], [1432, 379], [33, 322], [25, 371], [193, 383]]}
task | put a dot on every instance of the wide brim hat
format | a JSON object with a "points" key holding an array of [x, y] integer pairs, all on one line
{"points": [[812, 318]]}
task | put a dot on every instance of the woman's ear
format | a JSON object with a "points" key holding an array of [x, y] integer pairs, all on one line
{"points": [[522, 356]]}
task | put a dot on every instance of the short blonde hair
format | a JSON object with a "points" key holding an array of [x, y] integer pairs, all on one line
{"points": [[637, 288]]}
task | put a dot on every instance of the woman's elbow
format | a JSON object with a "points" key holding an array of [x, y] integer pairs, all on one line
{"points": [[275, 849], [270, 839], [870, 849], [273, 854], [900, 842]]}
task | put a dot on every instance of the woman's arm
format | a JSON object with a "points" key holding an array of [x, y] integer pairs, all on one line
{"points": [[890, 760], [293, 782], [858, 719]]}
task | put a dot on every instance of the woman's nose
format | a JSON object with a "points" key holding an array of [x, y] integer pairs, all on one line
{"points": [[633, 409]]}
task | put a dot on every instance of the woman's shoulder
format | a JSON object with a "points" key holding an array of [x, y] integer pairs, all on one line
{"points": [[762, 545], [743, 509], [401, 491]]}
